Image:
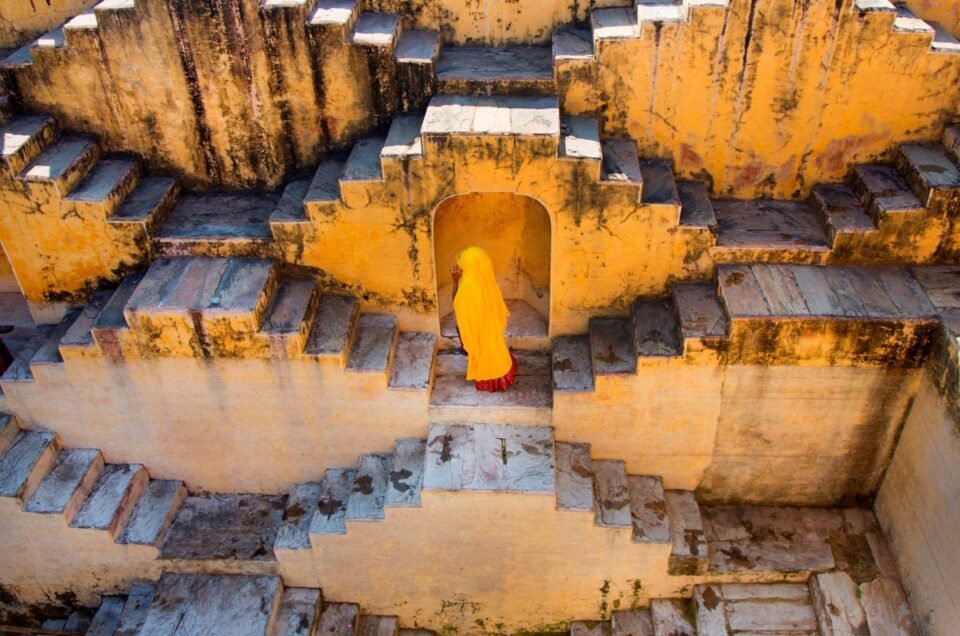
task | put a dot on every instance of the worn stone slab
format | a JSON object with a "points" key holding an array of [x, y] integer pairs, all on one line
{"points": [[25, 462], [325, 185], [376, 29], [636, 622], [289, 308], [60, 159], [733, 592], [844, 292], [886, 608], [331, 514], [841, 209], [405, 480], [621, 164], [294, 531], [19, 58], [648, 509], [299, 612], [836, 604], [572, 364], [67, 484], [135, 609], [113, 497], [22, 138], [212, 604], [590, 628], [818, 292], [417, 47], [943, 40], [780, 290], [908, 295], [217, 216], [907, 21], [659, 185], [574, 476], [235, 527], [19, 369], [929, 169], [572, 45], [528, 363], [332, 326], [413, 361], [655, 329], [49, 351], [449, 114], [371, 625], [696, 209], [670, 616], [580, 138], [611, 502], [79, 620], [885, 189], [688, 554], [528, 394], [766, 224], [154, 512], [458, 114], [487, 64], [490, 457], [80, 332], [404, 139], [53, 39], [369, 488], [107, 618], [874, 5], [109, 178], [611, 345], [772, 615], [110, 321], [363, 164], [741, 293], [699, 310], [334, 13], [9, 429], [339, 619], [523, 321], [872, 293], [616, 23], [660, 10], [710, 610], [373, 343], [290, 207]]}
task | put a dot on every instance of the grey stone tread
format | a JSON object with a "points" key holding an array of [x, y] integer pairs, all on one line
{"points": [[236, 527], [781, 291], [107, 619], [373, 343], [363, 164], [842, 209], [670, 617], [688, 554], [135, 609], [885, 606], [332, 326], [49, 351], [931, 164], [620, 162], [523, 321], [907, 21], [369, 488], [405, 480], [572, 364], [212, 604], [290, 208], [872, 292], [572, 44], [943, 40], [574, 476], [223, 216], [298, 613], [403, 139], [951, 141], [53, 39], [528, 363], [80, 332], [699, 310], [836, 603], [173, 284], [611, 345], [696, 209], [339, 619], [19, 369], [104, 179], [742, 294], [710, 610], [331, 514], [611, 494], [111, 316], [614, 23], [19, 58], [376, 29], [590, 628], [413, 361], [9, 429], [777, 608], [59, 158], [873, 5], [325, 186], [768, 224], [371, 625], [489, 457], [114, 494], [885, 188], [417, 47], [18, 462], [461, 114], [580, 138], [334, 12], [289, 307], [152, 197], [529, 392], [154, 512], [294, 531], [115, 5], [656, 329], [659, 185], [635, 622], [522, 63], [241, 286], [648, 509], [67, 483], [79, 620], [18, 133]]}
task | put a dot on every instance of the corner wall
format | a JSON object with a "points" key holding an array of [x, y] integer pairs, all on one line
{"points": [[21, 20]]}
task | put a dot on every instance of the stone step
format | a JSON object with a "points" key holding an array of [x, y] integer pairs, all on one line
{"points": [[672, 617], [501, 71], [648, 509], [526, 328], [590, 628], [764, 230], [931, 174], [754, 608], [362, 169], [906, 21], [19, 370], [107, 619], [661, 10], [406, 475], [61, 165], [611, 345], [572, 46], [154, 512], [471, 115], [20, 58], [103, 189], [659, 184], [291, 208], [656, 331], [696, 209], [218, 224], [369, 488], [331, 514], [25, 463], [836, 602], [23, 139], [76, 623], [287, 320], [412, 367], [9, 429], [298, 613], [621, 165], [68, 483], [373, 345], [340, 619], [574, 476], [324, 193], [611, 496], [887, 610], [135, 609], [614, 23], [378, 626], [403, 140], [78, 339], [376, 30], [883, 192], [333, 327], [49, 352], [417, 47], [572, 365], [943, 40], [580, 140], [335, 14], [110, 325], [302, 501], [633, 622], [112, 498], [148, 204], [490, 457], [688, 555], [841, 213], [951, 142], [701, 316], [199, 603]]}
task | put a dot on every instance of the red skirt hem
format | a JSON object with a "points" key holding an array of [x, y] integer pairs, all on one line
{"points": [[500, 384]]}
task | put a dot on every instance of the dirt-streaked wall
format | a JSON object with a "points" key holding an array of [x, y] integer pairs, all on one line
{"points": [[21, 20]]}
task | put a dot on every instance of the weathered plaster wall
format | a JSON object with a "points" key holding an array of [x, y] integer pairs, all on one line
{"points": [[919, 509], [946, 12], [21, 20]]}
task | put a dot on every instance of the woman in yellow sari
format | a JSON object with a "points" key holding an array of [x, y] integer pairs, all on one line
{"points": [[481, 320]]}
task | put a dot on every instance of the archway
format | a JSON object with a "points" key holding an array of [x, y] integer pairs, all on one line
{"points": [[515, 231]]}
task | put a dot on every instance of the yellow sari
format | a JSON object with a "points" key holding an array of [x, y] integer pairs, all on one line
{"points": [[481, 317]]}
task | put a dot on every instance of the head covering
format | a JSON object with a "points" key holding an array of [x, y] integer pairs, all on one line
{"points": [[481, 317]]}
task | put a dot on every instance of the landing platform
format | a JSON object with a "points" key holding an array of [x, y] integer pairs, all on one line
{"points": [[526, 327], [766, 230], [197, 219]]}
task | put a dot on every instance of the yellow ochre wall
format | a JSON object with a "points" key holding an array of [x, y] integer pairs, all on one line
{"points": [[21, 20], [946, 12]]}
